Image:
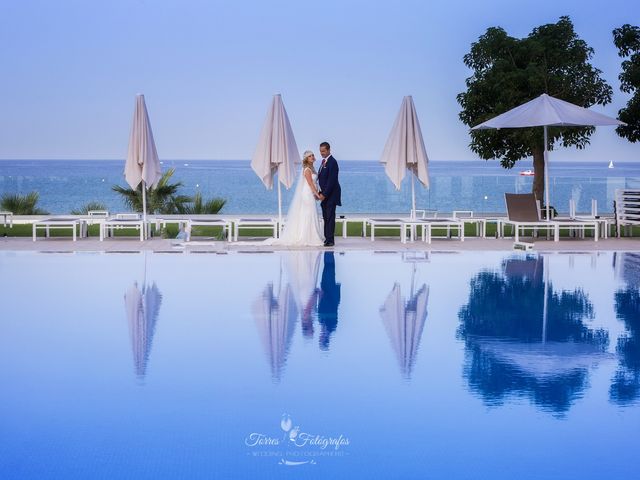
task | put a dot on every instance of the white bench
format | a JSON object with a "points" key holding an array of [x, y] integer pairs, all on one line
{"points": [[239, 223], [466, 216], [429, 225], [119, 222], [581, 225], [212, 222], [56, 223], [387, 223], [346, 219], [93, 217]]}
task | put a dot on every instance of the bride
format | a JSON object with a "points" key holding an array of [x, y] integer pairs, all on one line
{"points": [[302, 227]]}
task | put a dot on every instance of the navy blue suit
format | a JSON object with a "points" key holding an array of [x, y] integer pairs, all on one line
{"points": [[330, 188], [329, 300]]}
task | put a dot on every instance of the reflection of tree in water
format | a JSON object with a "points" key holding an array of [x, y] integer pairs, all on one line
{"points": [[511, 350], [626, 382]]}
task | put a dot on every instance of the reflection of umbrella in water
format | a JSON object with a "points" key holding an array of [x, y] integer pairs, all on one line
{"points": [[276, 321], [543, 360], [523, 338], [142, 314], [404, 322]]}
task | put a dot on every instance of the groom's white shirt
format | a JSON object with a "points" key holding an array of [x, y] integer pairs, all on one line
{"points": [[324, 162]]}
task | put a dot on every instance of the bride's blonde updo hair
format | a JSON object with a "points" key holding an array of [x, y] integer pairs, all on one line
{"points": [[307, 162]]}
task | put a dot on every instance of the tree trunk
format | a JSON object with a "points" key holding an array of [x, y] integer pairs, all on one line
{"points": [[538, 170]]}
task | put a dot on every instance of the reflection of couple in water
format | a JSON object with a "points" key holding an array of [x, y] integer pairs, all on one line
{"points": [[324, 302]]}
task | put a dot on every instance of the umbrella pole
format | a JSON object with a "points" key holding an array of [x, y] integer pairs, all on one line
{"points": [[545, 304], [546, 172], [144, 208], [279, 207], [413, 196]]}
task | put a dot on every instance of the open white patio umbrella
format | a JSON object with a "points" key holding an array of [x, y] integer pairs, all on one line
{"points": [[405, 150], [142, 307], [404, 322], [277, 151], [546, 111], [276, 320], [143, 164]]}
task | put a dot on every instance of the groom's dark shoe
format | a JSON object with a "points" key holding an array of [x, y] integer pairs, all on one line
{"points": [[329, 244]]}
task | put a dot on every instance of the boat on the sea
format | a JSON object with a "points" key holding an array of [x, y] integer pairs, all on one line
{"points": [[611, 164], [527, 173]]}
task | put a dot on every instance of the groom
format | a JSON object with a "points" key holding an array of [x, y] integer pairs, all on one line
{"points": [[330, 193]]}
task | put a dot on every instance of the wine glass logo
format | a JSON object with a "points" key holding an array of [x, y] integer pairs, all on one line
{"points": [[286, 424]]}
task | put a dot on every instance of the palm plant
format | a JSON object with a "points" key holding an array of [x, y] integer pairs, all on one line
{"points": [[22, 204], [84, 209], [200, 206], [163, 198]]}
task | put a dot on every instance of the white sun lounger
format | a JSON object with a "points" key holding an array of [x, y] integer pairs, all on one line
{"points": [[119, 222], [93, 217], [213, 222], [523, 213], [627, 207], [428, 226], [387, 223], [466, 216], [56, 223], [239, 223]]}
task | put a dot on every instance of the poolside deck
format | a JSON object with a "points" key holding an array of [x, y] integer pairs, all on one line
{"points": [[124, 244]]}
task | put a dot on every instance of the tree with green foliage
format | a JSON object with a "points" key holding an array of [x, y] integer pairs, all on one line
{"points": [[200, 206], [163, 198], [22, 204], [627, 40], [87, 207], [509, 71]]}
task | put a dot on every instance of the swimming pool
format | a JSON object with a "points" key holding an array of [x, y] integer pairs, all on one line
{"points": [[315, 365]]}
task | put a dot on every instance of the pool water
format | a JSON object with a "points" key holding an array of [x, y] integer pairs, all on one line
{"points": [[316, 364]]}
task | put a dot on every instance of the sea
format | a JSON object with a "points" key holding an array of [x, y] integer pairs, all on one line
{"points": [[476, 185]]}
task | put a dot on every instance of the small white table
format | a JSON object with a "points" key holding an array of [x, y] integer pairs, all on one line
{"points": [[603, 224], [107, 227], [212, 222], [60, 223], [93, 217], [579, 225], [255, 223], [428, 225], [6, 215], [346, 219], [388, 223]]}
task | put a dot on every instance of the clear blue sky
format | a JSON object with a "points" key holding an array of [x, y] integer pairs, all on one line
{"points": [[70, 71]]}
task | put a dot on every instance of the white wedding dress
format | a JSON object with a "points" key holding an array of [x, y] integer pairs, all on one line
{"points": [[302, 226]]}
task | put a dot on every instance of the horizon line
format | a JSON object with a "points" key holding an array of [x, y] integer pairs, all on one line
{"points": [[249, 160]]}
